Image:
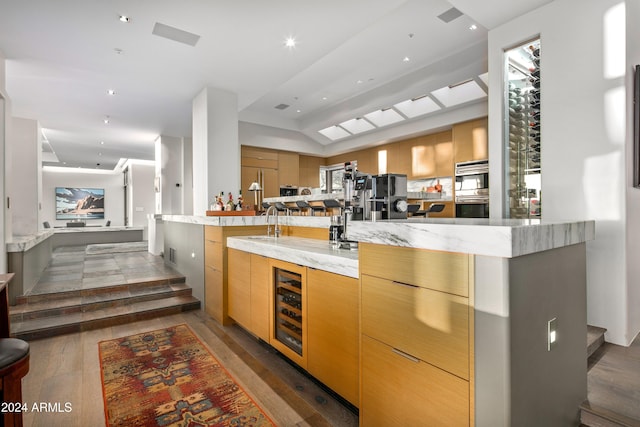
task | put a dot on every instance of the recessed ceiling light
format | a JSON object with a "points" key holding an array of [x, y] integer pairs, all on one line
{"points": [[298, 111], [124, 18], [473, 27], [324, 98], [101, 142], [111, 92], [106, 120], [406, 59], [290, 42], [359, 82]]}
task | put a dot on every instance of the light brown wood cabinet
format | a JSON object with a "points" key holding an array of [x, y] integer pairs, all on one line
{"points": [[288, 169], [216, 268], [332, 331], [310, 171], [417, 337], [260, 291], [249, 291], [399, 390], [320, 310], [471, 141]]}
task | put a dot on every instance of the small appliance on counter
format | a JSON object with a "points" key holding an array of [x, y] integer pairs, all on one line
{"points": [[288, 190], [357, 192], [389, 196]]}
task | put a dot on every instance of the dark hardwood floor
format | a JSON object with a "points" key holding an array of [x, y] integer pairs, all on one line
{"points": [[614, 380]]}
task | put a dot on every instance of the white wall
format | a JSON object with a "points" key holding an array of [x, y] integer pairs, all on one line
{"points": [[112, 182], [633, 194], [26, 153], [5, 117], [583, 137], [141, 194]]}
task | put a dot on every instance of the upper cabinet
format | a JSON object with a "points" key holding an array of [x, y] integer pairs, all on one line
{"points": [[288, 168], [309, 167], [470, 141]]}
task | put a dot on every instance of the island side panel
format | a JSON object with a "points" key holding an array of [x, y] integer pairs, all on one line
{"points": [[517, 381], [547, 387]]}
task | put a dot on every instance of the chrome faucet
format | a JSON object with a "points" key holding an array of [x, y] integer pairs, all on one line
{"points": [[276, 228]]}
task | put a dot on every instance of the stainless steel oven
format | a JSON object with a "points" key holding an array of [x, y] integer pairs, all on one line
{"points": [[472, 189], [287, 190]]}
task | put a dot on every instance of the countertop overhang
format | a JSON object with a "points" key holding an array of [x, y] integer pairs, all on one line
{"points": [[308, 252], [505, 238]]}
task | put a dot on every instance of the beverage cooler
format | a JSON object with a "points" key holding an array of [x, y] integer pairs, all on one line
{"points": [[522, 105], [288, 319]]}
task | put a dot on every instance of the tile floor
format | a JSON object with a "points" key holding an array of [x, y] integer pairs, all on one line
{"points": [[75, 268]]}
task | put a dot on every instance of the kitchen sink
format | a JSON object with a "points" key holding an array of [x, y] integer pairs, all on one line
{"points": [[261, 237]]}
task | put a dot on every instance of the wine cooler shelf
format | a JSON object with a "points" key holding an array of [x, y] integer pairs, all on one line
{"points": [[288, 309], [524, 131]]}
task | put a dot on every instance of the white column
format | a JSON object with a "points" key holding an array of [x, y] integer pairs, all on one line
{"points": [[26, 157], [216, 150]]}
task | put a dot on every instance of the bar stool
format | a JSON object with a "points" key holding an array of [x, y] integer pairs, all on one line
{"points": [[332, 204], [302, 205], [14, 359], [281, 207], [293, 209], [14, 364]]}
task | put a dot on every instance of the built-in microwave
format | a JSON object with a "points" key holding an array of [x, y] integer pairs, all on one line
{"points": [[287, 190], [472, 189]]}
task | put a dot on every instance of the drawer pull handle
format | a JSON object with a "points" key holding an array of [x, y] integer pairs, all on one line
{"points": [[405, 355], [404, 284]]}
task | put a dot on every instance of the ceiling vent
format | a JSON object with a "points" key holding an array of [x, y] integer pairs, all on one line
{"points": [[450, 15], [281, 106], [175, 34]]}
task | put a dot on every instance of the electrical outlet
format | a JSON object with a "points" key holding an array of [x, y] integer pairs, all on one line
{"points": [[552, 334]]}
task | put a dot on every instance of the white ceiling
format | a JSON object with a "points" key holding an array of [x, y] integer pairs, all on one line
{"points": [[61, 60]]}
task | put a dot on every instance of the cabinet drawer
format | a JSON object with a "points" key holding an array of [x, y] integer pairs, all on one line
{"points": [[430, 325], [212, 233], [213, 255], [441, 271], [398, 391]]}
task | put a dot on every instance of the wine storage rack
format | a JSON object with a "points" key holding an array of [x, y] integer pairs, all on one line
{"points": [[523, 141], [288, 309]]}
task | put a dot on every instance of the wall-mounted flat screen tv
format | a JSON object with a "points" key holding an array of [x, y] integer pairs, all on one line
{"points": [[79, 203]]}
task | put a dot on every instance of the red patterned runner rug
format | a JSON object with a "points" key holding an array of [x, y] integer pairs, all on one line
{"points": [[169, 378]]}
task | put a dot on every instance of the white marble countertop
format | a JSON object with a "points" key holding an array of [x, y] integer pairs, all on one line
{"points": [[24, 243], [89, 229], [233, 221], [308, 252], [308, 198], [506, 238]]}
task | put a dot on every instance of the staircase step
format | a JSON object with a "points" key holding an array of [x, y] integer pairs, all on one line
{"points": [[595, 339], [594, 416], [96, 308]]}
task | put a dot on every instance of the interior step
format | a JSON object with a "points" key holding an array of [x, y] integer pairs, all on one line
{"points": [[594, 416], [595, 339], [40, 316]]}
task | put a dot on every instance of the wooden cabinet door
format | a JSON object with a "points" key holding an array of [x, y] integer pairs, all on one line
{"points": [[471, 141], [332, 331], [260, 296], [271, 188], [239, 287], [399, 390], [288, 169], [423, 158]]}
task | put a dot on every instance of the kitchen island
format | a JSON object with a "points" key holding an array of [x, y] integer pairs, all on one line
{"points": [[478, 322]]}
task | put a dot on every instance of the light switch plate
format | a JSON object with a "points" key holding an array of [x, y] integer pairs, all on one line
{"points": [[552, 334]]}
